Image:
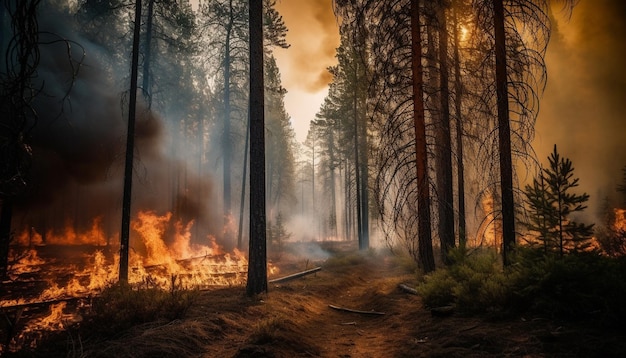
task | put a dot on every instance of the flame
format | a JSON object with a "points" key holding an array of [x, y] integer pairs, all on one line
{"points": [[163, 255], [619, 225], [28, 263], [69, 236], [489, 227]]}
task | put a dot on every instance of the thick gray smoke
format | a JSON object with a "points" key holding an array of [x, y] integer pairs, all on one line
{"points": [[78, 143]]}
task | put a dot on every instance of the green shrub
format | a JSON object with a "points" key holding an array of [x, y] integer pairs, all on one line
{"points": [[575, 286], [437, 289], [473, 283]]}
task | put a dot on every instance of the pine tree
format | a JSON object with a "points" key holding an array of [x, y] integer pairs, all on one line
{"points": [[551, 204]]}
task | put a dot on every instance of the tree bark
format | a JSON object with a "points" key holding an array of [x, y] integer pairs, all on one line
{"points": [[504, 134], [458, 89], [426, 257], [257, 262], [130, 148], [444, 145], [226, 142], [243, 183]]}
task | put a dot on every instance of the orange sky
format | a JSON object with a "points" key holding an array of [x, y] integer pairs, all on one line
{"points": [[583, 109], [314, 36]]}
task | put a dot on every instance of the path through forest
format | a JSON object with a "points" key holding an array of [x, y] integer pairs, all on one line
{"points": [[295, 320]]}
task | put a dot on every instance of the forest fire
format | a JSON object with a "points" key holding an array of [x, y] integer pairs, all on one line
{"points": [[54, 275], [162, 255], [54, 269]]}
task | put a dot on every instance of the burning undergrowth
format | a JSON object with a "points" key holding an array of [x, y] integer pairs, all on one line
{"points": [[51, 284]]}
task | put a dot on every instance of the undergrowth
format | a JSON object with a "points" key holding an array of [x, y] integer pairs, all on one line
{"points": [[119, 308], [576, 286]]}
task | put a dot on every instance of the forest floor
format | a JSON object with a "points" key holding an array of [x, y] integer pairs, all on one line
{"points": [[295, 320]]}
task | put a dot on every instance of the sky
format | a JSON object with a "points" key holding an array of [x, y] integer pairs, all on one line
{"points": [[314, 36]]}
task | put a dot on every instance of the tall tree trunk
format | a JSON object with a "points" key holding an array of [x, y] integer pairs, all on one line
{"points": [[359, 211], [147, 56], [348, 200], [458, 89], [257, 263], [364, 187], [444, 146], [130, 148], [243, 183], [226, 140], [333, 194], [504, 134], [425, 248]]}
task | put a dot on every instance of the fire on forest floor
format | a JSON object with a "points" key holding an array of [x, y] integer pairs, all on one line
{"points": [[294, 320]]}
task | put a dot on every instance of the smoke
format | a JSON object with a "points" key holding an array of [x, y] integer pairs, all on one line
{"points": [[314, 36], [582, 110], [78, 143]]}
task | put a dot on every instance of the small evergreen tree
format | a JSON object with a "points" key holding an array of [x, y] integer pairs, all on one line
{"points": [[540, 218], [551, 204], [277, 235]]}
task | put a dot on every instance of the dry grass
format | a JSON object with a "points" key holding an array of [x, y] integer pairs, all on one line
{"points": [[179, 338], [294, 320]]}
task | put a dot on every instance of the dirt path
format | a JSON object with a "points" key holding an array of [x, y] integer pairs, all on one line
{"points": [[295, 320]]}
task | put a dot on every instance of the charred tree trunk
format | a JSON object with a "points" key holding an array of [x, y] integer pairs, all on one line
{"points": [[427, 260], [257, 264], [504, 134], [130, 148], [444, 146]]}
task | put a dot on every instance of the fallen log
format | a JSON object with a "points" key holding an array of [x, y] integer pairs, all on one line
{"points": [[295, 275], [356, 311], [28, 305], [407, 289]]}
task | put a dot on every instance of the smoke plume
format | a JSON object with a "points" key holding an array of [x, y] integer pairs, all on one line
{"points": [[314, 36], [582, 110], [78, 143]]}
